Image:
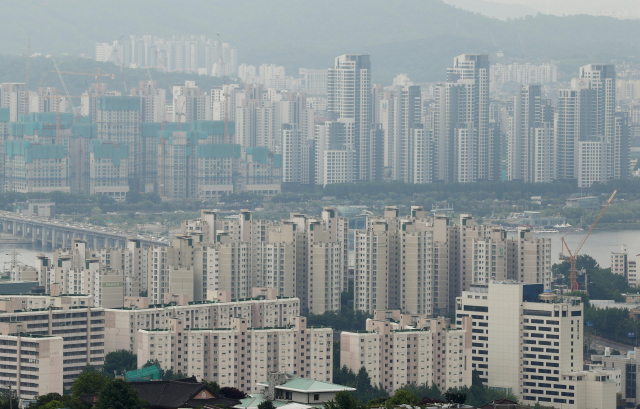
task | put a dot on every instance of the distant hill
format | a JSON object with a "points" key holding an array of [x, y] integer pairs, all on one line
{"points": [[417, 37], [13, 68]]}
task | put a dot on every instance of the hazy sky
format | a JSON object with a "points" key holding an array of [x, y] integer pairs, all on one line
{"points": [[632, 7]]}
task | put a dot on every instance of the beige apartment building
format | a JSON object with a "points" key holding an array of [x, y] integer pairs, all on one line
{"points": [[80, 330], [16, 303], [304, 257], [265, 309], [240, 355], [528, 341], [398, 349], [32, 365], [107, 274], [419, 264]]}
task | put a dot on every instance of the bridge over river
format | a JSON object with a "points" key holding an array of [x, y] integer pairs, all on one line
{"points": [[58, 233]]}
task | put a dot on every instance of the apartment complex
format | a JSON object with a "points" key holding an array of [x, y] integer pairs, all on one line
{"points": [[107, 274], [302, 256], [528, 341], [123, 150], [419, 264], [399, 349], [263, 309], [240, 356]]}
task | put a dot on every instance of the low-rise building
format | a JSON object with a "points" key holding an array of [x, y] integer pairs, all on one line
{"points": [[289, 392], [398, 349], [628, 364], [240, 356]]}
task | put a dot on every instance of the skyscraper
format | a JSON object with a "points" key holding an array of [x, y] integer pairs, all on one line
{"points": [[527, 113], [349, 97], [586, 135], [461, 123]]}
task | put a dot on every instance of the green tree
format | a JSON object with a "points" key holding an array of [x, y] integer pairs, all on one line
{"points": [[267, 404], [120, 360], [344, 400], [402, 397], [454, 396], [88, 383], [213, 387], [118, 394], [54, 404]]}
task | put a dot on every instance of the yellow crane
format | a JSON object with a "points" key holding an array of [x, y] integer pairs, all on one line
{"points": [[571, 257]]}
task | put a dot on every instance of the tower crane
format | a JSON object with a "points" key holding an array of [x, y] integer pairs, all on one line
{"points": [[571, 257], [97, 75], [58, 111]]}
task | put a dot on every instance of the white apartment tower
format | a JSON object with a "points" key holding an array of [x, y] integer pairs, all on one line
{"points": [[461, 122], [521, 145], [349, 97]]}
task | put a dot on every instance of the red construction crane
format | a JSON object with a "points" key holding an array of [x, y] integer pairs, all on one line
{"points": [[571, 258]]}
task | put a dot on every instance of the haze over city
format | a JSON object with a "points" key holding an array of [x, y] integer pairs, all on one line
{"points": [[320, 205]]}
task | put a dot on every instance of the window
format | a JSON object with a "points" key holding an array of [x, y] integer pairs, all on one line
{"points": [[316, 396]]}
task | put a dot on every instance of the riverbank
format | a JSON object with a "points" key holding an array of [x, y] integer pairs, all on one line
{"points": [[618, 226]]}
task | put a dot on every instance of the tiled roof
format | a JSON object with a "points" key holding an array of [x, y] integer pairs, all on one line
{"points": [[171, 394]]}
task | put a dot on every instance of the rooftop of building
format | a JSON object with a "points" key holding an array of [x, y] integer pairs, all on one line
{"points": [[305, 385], [256, 399]]}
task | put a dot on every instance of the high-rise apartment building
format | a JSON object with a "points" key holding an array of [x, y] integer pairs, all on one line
{"points": [[313, 81], [349, 97], [395, 266], [109, 169], [302, 256], [240, 356], [526, 117], [462, 140], [13, 96], [73, 338], [529, 342], [34, 167], [400, 349], [118, 120], [334, 152], [590, 141]]}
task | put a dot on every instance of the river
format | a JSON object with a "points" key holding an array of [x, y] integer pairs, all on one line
{"points": [[599, 246]]}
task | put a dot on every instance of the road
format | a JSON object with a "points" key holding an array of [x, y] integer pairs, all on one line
{"points": [[599, 343]]}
